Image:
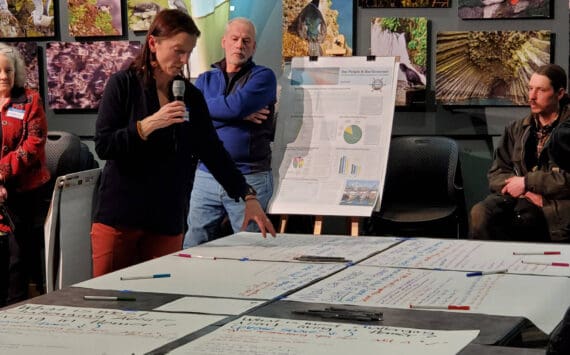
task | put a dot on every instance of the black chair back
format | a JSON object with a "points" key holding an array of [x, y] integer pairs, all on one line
{"points": [[423, 185]]}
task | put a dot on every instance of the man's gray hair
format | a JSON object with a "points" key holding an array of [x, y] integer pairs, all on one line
{"points": [[242, 20]]}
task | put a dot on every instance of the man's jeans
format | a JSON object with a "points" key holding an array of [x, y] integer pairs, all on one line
{"points": [[209, 203]]}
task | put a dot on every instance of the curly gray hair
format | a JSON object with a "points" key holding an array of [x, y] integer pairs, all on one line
{"points": [[13, 54]]}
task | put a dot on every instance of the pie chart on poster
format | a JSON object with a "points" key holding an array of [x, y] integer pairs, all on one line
{"points": [[352, 134]]}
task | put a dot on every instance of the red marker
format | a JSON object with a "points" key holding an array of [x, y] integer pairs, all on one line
{"points": [[545, 263], [537, 253], [450, 307], [196, 256]]}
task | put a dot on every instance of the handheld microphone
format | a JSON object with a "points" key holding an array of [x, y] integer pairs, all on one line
{"points": [[178, 88]]}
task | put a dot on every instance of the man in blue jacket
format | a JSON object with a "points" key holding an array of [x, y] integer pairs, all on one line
{"points": [[241, 98]]}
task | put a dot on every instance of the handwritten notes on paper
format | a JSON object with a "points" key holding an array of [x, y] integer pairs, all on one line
{"points": [[508, 295], [266, 336], [42, 329], [216, 278], [287, 246], [471, 255]]}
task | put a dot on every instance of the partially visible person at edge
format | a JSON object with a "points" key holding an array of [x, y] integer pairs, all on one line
{"points": [[23, 174], [151, 152], [530, 198], [560, 145], [241, 99]]}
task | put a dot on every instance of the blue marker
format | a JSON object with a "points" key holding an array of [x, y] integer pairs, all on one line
{"points": [[155, 276], [481, 273]]}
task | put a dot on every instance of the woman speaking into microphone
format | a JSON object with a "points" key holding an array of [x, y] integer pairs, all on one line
{"points": [[151, 152]]}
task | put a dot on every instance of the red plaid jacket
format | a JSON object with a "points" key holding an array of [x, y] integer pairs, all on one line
{"points": [[24, 133]]}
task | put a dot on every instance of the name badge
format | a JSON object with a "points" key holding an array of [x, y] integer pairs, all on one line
{"points": [[15, 113]]}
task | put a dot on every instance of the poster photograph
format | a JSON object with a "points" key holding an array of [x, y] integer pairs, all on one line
{"points": [[488, 68], [403, 3], [78, 71], [95, 18], [504, 9], [405, 38], [317, 28], [27, 18]]}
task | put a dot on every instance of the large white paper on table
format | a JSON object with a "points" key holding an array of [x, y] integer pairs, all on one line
{"points": [[333, 135], [216, 278], [209, 305], [472, 255], [285, 247], [61, 330], [266, 336], [543, 300]]}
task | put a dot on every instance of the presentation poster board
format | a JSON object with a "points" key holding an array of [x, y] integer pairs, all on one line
{"points": [[333, 135]]}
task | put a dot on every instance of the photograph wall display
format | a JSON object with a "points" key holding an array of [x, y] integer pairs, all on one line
{"points": [[405, 38], [27, 18], [140, 13], [317, 28], [78, 71], [29, 51], [95, 18], [488, 68], [403, 3], [504, 9]]}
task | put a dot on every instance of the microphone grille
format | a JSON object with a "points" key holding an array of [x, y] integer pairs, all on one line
{"points": [[178, 88]]}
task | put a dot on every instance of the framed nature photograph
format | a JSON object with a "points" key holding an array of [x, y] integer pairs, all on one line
{"points": [[505, 9], [90, 18], [140, 13], [488, 68], [27, 19], [318, 28], [403, 3], [78, 71], [406, 38]]}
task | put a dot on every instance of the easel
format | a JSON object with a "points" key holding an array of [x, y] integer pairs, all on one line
{"points": [[353, 223]]}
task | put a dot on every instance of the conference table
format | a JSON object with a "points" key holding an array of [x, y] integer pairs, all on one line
{"points": [[272, 281]]}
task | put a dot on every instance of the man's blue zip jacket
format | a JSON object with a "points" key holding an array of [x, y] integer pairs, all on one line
{"points": [[229, 100]]}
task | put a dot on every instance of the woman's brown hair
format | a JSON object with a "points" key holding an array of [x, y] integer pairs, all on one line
{"points": [[166, 23]]}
